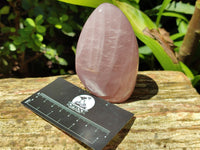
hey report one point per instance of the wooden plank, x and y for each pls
(166, 107)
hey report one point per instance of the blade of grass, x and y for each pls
(164, 5)
(176, 36)
(187, 71)
(139, 22)
(178, 7)
(196, 80)
(87, 3)
(172, 14)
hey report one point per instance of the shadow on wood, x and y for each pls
(145, 88)
(113, 144)
(165, 104)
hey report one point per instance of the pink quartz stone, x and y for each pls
(107, 54)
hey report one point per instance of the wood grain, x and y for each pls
(166, 108)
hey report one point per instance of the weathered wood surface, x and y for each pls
(166, 107)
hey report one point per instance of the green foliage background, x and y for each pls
(38, 38)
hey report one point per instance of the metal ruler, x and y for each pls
(87, 118)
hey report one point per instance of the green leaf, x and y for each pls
(139, 22)
(141, 56)
(178, 45)
(187, 71)
(26, 31)
(137, 18)
(5, 62)
(178, 7)
(5, 10)
(68, 30)
(29, 22)
(54, 71)
(39, 37)
(58, 26)
(62, 72)
(163, 6)
(160, 54)
(73, 8)
(38, 9)
(12, 47)
(39, 20)
(145, 50)
(22, 48)
(181, 7)
(5, 29)
(196, 80)
(74, 49)
(53, 20)
(62, 61)
(27, 4)
(88, 3)
(11, 16)
(134, 1)
(177, 36)
(12, 29)
(197, 4)
(71, 34)
(17, 40)
(50, 53)
(40, 29)
(182, 26)
(172, 14)
(64, 18)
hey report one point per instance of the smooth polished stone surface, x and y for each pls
(107, 54)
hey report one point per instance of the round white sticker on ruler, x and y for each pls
(82, 103)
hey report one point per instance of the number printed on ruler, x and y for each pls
(69, 116)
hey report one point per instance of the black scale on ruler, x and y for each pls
(84, 116)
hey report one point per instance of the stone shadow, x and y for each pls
(119, 137)
(145, 88)
(116, 140)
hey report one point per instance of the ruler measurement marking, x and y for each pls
(92, 142)
(73, 124)
(96, 139)
(98, 127)
(50, 112)
(74, 113)
(57, 104)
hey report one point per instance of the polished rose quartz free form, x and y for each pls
(107, 54)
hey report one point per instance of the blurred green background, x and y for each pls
(38, 38)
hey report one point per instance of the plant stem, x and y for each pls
(192, 37)
(23, 65)
(164, 5)
(37, 55)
